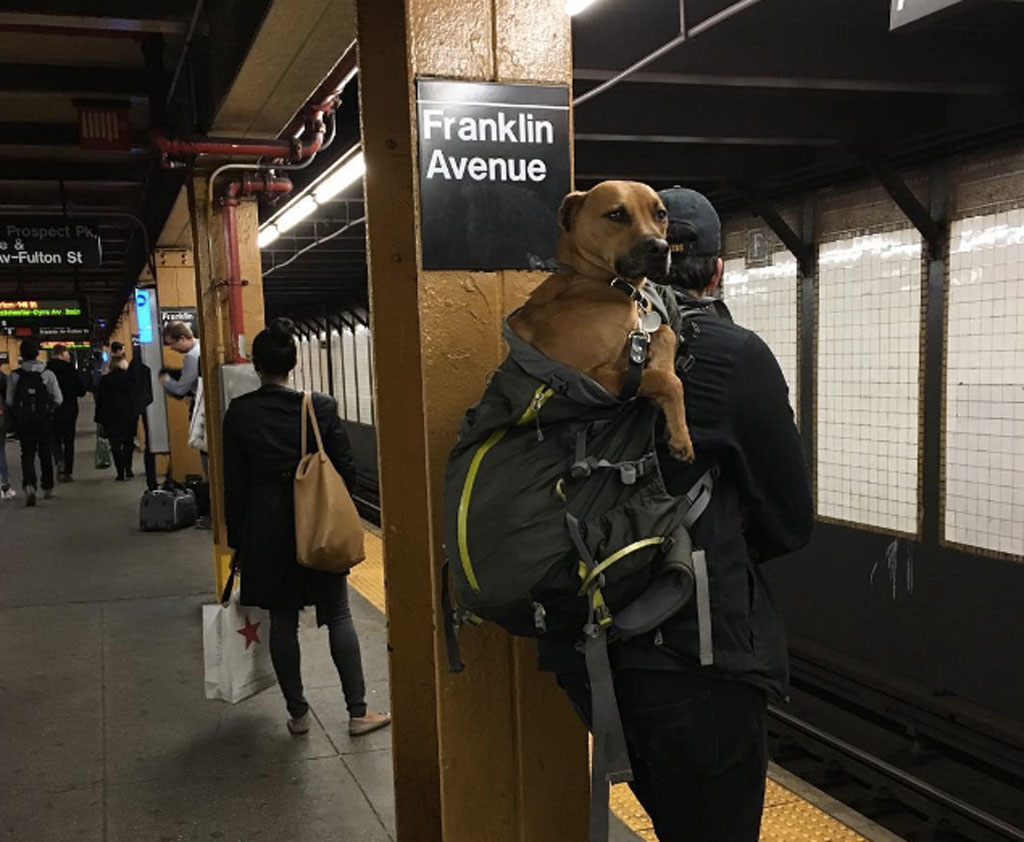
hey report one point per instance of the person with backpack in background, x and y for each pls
(6, 492)
(694, 717)
(65, 418)
(33, 394)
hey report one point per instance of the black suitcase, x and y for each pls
(164, 510)
(200, 489)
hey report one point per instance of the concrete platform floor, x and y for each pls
(104, 731)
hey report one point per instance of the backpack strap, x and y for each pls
(451, 637)
(611, 756)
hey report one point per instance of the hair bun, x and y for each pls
(282, 330)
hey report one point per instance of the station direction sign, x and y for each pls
(494, 167)
(49, 243)
(188, 315)
(38, 315)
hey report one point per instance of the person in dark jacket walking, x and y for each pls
(32, 396)
(116, 412)
(65, 418)
(262, 449)
(696, 734)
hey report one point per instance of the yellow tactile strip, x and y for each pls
(787, 817)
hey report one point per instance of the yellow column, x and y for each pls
(493, 753)
(210, 270)
(176, 287)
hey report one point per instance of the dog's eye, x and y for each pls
(617, 215)
(661, 214)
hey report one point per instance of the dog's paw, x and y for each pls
(681, 449)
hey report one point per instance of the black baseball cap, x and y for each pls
(693, 224)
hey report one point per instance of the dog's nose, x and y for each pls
(657, 247)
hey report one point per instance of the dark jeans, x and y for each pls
(284, 652)
(122, 450)
(698, 748)
(36, 440)
(63, 437)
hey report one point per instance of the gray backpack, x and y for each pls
(557, 520)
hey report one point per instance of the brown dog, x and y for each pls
(576, 316)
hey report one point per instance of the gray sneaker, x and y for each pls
(47, 493)
(30, 496)
(7, 493)
(300, 724)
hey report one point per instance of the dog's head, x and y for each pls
(616, 228)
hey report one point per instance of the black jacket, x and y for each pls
(115, 405)
(142, 384)
(739, 416)
(262, 449)
(71, 385)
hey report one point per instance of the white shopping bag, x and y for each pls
(236, 649)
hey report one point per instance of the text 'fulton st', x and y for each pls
(522, 128)
(73, 257)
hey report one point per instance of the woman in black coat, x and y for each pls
(262, 449)
(115, 411)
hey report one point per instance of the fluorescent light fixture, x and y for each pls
(267, 235)
(574, 7)
(337, 181)
(295, 214)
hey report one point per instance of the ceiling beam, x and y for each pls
(56, 134)
(104, 81)
(110, 26)
(605, 137)
(802, 83)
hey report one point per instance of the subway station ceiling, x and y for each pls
(755, 98)
(764, 98)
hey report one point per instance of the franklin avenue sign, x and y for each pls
(494, 166)
(50, 243)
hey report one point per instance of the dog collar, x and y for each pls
(630, 290)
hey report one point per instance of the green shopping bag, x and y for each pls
(102, 450)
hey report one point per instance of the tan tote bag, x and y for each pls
(328, 532)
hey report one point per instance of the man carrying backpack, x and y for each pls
(33, 394)
(692, 695)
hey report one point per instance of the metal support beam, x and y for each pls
(798, 247)
(684, 35)
(920, 216)
(807, 319)
(932, 364)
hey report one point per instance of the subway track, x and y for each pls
(919, 789)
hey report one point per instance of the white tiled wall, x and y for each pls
(362, 347)
(984, 447)
(315, 369)
(763, 299)
(869, 323)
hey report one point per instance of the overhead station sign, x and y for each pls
(903, 12)
(51, 318)
(49, 243)
(494, 167)
(50, 311)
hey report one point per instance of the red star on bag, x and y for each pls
(250, 631)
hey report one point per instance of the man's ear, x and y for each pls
(570, 207)
(716, 279)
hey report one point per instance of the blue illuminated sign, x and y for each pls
(144, 314)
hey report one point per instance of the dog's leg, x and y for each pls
(661, 384)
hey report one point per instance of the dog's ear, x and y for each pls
(571, 205)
